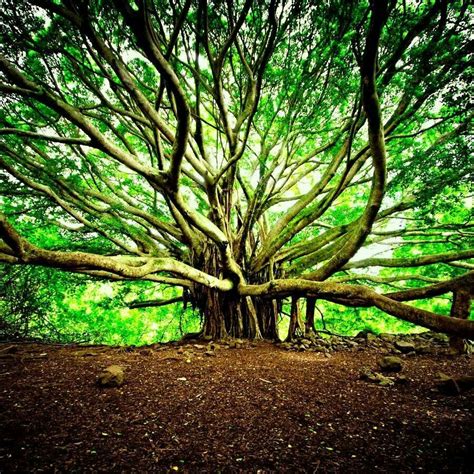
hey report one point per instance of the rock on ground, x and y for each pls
(112, 376)
(391, 364)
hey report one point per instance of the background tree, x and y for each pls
(45, 304)
(243, 151)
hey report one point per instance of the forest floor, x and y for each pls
(196, 407)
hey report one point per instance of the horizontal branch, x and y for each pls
(154, 303)
(340, 293)
(412, 262)
(48, 138)
(382, 280)
(465, 282)
(19, 250)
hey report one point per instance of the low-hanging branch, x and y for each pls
(361, 296)
(154, 303)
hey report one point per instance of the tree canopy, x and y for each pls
(244, 151)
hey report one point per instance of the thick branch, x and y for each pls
(412, 262)
(373, 113)
(340, 292)
(154, 303)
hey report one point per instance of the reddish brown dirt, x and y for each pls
(259, 409)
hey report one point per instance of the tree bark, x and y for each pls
(296, 327)
(267, 313)
(461, 309)
(213, 312)
(227, 314)
(309, 322)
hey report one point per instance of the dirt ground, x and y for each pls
(259, 408)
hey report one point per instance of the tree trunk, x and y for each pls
(267, 313)
(309, 322)
(296, 327)
(267, 309)
(460, 308)
(217, 317)
(253, 330)
(213, 311)
(226, 314)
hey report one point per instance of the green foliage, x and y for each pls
(53, 306)
(30, 303)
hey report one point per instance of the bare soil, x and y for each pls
(254, 409)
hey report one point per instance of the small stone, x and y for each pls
(86, 353)
(385, 381)
(401, 380)
(171, 357)
(439, 337)
(210, 354)
(405, 346)
(375, 377)
(236, 344)
(112, 376)
(423, 349)
(367, 374)
(352, 343)
(391, 364)
(371, 337)
(363, 334)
